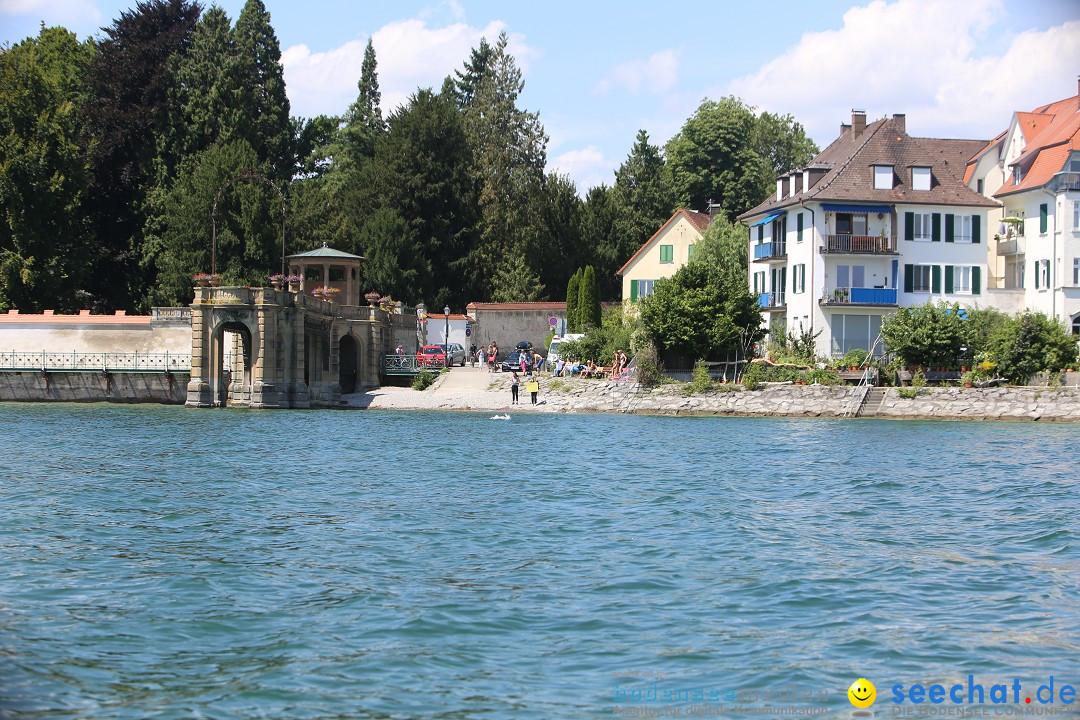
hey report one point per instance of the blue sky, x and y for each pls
(598, 71)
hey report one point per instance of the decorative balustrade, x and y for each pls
(859, 245)
(177, 315)
(45, 361)
(409, 364)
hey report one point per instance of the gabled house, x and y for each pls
(1034, 171)
(878, 220)
(663, 254)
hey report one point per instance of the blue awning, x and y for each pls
(769, 218)
(830, 207)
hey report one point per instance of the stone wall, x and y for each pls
(119, 387)
(85, 333)
(1014, 403)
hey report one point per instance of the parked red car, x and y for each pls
(431, 356)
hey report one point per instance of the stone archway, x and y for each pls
(231, 382)
(347, 363)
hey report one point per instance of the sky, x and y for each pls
(597, 72)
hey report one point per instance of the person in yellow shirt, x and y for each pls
(533, 386)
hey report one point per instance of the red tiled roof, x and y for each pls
(1055, 132)
(83, 318)
(699, 220)
(453, 316)
(517, 306)
(1048, 162)
(974, 160)
(1032, 123)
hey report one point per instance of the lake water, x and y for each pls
(170, 563)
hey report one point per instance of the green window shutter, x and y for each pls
(798, 226)
(1042, 218)
(909, 281)
(976, 228)
(948, 278)
(909, 227)
(690, 253)
(935, 227)
(949, 228)
(935, 271)
(633, 290)
(1036, 274)
(976, 286)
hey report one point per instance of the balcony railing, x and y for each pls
(45, 361)
(770, 250)
(771, 300)
(1010, 245)
(859, 245)
(859, 296)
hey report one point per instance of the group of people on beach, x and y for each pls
(574, 367)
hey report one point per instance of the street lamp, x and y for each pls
(421, 319)
(446, 337)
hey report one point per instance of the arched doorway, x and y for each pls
(230, 364)
(347, 364)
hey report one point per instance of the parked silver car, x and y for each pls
(455, 355)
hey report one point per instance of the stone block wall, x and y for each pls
(118, 387)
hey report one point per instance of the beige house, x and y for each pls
(663, 254)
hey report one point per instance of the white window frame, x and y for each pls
(962, 228)
(920, 178)
(883, 177)
(645, 288)
(924, 227)
(759, 282)
(918, 270)
(961, 279)
(1076, 215)
(1076, 272)
(1044, 274)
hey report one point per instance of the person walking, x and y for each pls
(533, 386)
(538, 362)
(514, 389)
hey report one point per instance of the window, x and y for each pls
(854, 332)
(1076, 325)
(640, 289)
(979, 186)
(962, 228)
(1076, 214)
(667, 253)
(759, 282)
(1076, 272)
(799, 224)
(883, 177)
(920, 178)
(1017, 175)
(1043, 218)
(799, 278)
(961, 277)
(921, 278)
(690, 253)
(1042, 274)
(760, 233)
(923, 227)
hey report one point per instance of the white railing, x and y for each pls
(46, 361)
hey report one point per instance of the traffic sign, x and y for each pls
(553, 321)
(468, 331)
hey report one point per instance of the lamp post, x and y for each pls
(446, 337)
(421, 318)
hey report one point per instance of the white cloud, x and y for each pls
(587, 167)
(656, 74)
(73, 14)
(410, 55)
(918, 57)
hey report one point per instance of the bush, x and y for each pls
(823, 377)
(423, 380)
(701, 381)
(752, 376)
(854, 357)
(600, 344)
(650, 371)
(925, 335)
(908, 393)
(1031, 343)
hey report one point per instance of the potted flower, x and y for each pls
(277, 280)
(326, 292)
(202, 279)
(969, 378)
(293, 281)
(385, 302)
(372, 298)
(215, 279)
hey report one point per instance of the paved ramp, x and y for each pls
(463, 379)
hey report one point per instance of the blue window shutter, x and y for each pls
(976, 229)
(909, 226)
(935, 226)
(976, 273)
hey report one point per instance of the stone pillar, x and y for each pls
(293, 347)
(267, 383)
(199, 391)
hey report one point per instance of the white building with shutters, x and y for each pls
(878, 220)
(1033, 170)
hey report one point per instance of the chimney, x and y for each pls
(900, 122)
(844, 127)
(858, 121)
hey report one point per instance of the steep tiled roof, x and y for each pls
(973, 161)
(885, 142)
(699, 220)
(1055, 133)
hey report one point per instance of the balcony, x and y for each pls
(770, 251)
(858, 245)
(1010, 245)
(772, 301)
(859, 296)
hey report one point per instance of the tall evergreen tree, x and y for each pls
(129, 79)
(466, 82)
(643, 199)
(263, 101)
(396, 264)
(364, 121)
(588, 300)
(557, 249)
(44, 236)
(599, 223)
(573, 288)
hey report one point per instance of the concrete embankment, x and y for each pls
(117, 387)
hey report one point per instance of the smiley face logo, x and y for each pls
(862, 693)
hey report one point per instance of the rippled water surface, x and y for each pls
(170, 563)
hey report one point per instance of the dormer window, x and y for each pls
(883, 177)
(1017, 175)
(920, 178)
